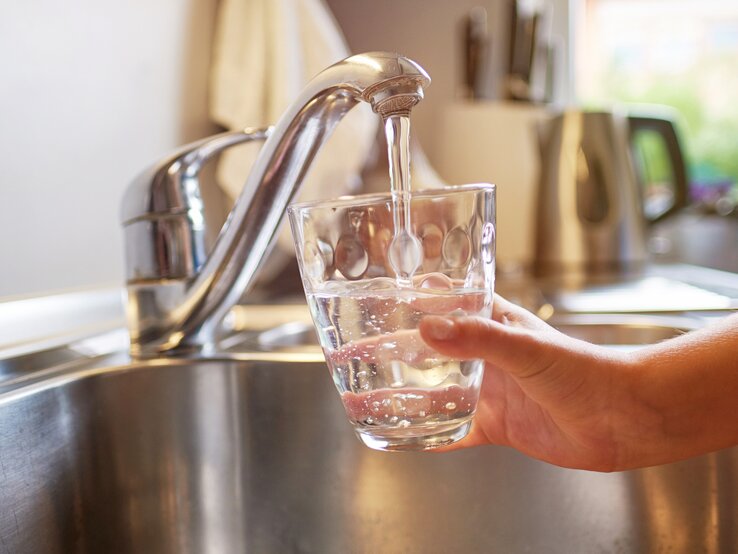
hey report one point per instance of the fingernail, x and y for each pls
(441, 328)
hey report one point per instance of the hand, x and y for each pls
(578, 405)
(552, 397)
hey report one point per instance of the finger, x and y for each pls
(520, 352)
(508, 313)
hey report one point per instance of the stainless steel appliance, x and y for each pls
(590, 216)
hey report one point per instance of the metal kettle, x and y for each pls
(590, 217)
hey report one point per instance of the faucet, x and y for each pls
(179, 290)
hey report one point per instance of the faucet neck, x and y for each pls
(188, 314)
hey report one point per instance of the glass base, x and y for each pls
(414, 439)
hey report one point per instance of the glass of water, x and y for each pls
(369, 284)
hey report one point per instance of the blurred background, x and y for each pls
(93, 92)
(682, 54)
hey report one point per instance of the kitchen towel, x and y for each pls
(265, 52)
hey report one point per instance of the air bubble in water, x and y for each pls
(450, 406)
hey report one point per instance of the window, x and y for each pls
(679, 53)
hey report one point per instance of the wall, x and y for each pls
(429, 32)
(90, 93)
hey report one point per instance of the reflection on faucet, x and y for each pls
(178, 295)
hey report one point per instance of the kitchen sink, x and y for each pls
(256, 455)
(250, 451)
(623, 331)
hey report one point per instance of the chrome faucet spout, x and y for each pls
(181, 311)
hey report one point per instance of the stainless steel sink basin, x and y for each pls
(616, 330)
(256, 456)
(623, 330)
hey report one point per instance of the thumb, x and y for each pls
(547, 365)
(521, 352)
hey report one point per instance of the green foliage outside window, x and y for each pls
(647, 53)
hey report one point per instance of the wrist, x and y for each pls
(637, 424)
(683, 393)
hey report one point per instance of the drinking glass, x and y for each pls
(398, 393)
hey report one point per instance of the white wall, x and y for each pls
(90, 93)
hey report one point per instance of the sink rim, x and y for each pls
(268, 345)
(36, 381)
(288, 335)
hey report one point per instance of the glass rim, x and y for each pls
(373, 198)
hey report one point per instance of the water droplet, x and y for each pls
(404, 423)
(375, 406)
(450, 406)
(393, 419)
(369, 420)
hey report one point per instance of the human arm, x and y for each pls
(579, 405)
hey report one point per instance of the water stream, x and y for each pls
(405, 251)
